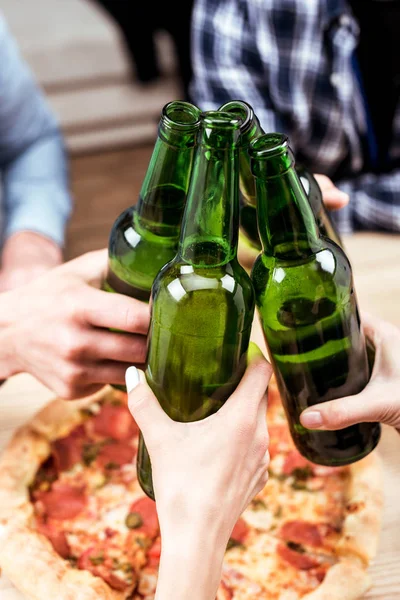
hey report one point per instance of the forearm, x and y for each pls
(190, 566)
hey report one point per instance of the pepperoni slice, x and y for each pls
(279, 438)
(224, 592)
(320, 573)
(294, 460)
(274, 397)
(115, 454)
(63, 501)
(154, 553)
(296, 559)
(115, 421)
(240, 531)
(115, 582)
(84, 561)
(301, 532)
(57, 538)
(146, 508)
(67, 451)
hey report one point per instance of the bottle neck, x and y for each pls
(286, 223)
(164, 189)
(209, 235)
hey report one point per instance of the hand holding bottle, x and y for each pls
(205, 473)
(380, 399)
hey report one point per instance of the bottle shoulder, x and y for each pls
(328, 266)
(177, 281)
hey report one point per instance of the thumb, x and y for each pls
(373, 404)
(144, 406)
(252, 388)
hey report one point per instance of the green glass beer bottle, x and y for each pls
(250, 130)
(313, 191)
(202, 302)
(145, 236)
(307, 303)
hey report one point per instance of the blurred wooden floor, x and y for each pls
(103, 185)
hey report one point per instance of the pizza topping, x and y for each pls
(67, 451)
(320, 574)
(258, 504)
(294, 555)
(240, 531)
(115, 421)
(154, 553)
(301, 532)
(113, 455)
(147, 583)
(57, 538)
(295, 462)
(90, 452)
(146, 510)
(115, 582)
(353, 507)
(63, 501)
(45, 476)
(97, 559)
(133, 520)
(117, 574)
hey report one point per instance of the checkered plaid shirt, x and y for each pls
(292, 60)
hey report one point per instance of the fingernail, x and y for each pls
(132, 378)
(311, 419)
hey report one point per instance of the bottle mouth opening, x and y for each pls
(269, 144)
(181, 115)
(242, 110)
(216, 119)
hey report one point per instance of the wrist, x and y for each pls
(27, 248)
(190, 566)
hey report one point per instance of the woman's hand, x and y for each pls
(380, 400)
(204, 475)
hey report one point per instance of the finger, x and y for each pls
(118, 347)
(371, 405)
(91, 266)
(253, 385)
(333, 198)
(115, 311)
(144, 406)
(107, 372)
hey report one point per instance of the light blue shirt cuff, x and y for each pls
(40, 214)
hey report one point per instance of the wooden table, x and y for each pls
(376, 265)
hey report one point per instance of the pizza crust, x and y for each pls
(26, 556)
(30, 562)
(362, 524)
(346, 580)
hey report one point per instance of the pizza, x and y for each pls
(75, 524)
